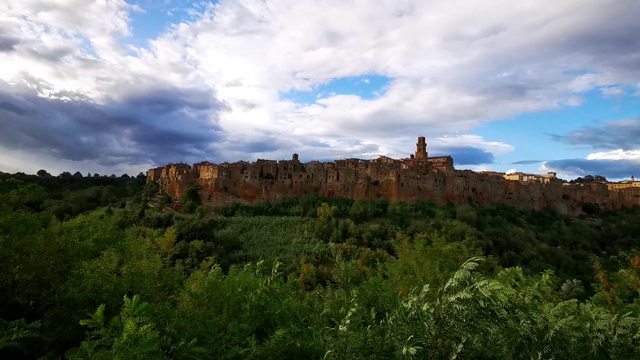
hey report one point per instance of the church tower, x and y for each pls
(421, 148)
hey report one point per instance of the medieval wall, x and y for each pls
(411, 180)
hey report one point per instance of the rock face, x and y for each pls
(416, 178)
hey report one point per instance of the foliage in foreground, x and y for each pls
(255, 313)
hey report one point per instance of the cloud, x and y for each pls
(574, 101)
(8, 43)
(616, 134)
(476, 141)
(527, 162)
(100, 22)
(616, 155)
(451, 68)
(256, 146)
(613, 169)
(468, 155)
(459, 72)
(159, 126)
(620, 161)
(611, 91)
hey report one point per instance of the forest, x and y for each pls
(104, 267)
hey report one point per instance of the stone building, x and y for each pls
(418, 177)
(624, 184)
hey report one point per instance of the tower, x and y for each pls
(421, 148)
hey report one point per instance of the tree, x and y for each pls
(43, 173)
(14, 334)
(327, 212)
(358, 212)
(466, 213)
(191, 199)
(399, 213)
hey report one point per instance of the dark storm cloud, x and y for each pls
(614, 44)
(527, 162)
(607, 168)
(257, 146)
(468, 155)
(318, 144)
(7, 106)
(157, 126)
(619, 134)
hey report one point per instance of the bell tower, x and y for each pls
(421, 148)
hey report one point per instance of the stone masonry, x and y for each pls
(412, 179)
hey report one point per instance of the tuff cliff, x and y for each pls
(416, 178)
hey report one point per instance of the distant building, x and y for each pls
(624, 184)
(418, 177)
(519, 176)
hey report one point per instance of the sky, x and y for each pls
(115, 86)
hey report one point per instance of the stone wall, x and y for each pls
(412, 179)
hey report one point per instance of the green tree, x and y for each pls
(131, 335)
(191, 199)
(466, 213)
(358, 212)
(399, 213)
(43, 173)
(326, 212)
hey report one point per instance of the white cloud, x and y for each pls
(494, 147)
(611, 91)
(618, 154)
(574, 101)
(451, 70)
(585, 82)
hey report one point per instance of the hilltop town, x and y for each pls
(418, 177)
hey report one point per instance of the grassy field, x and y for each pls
(287, 239)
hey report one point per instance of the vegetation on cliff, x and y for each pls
(102, 267)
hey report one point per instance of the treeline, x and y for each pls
(134, 277)
(66, 195)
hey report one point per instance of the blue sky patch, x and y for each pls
(532, 132)
(365, 86)
(576, 72)
(157, 17)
